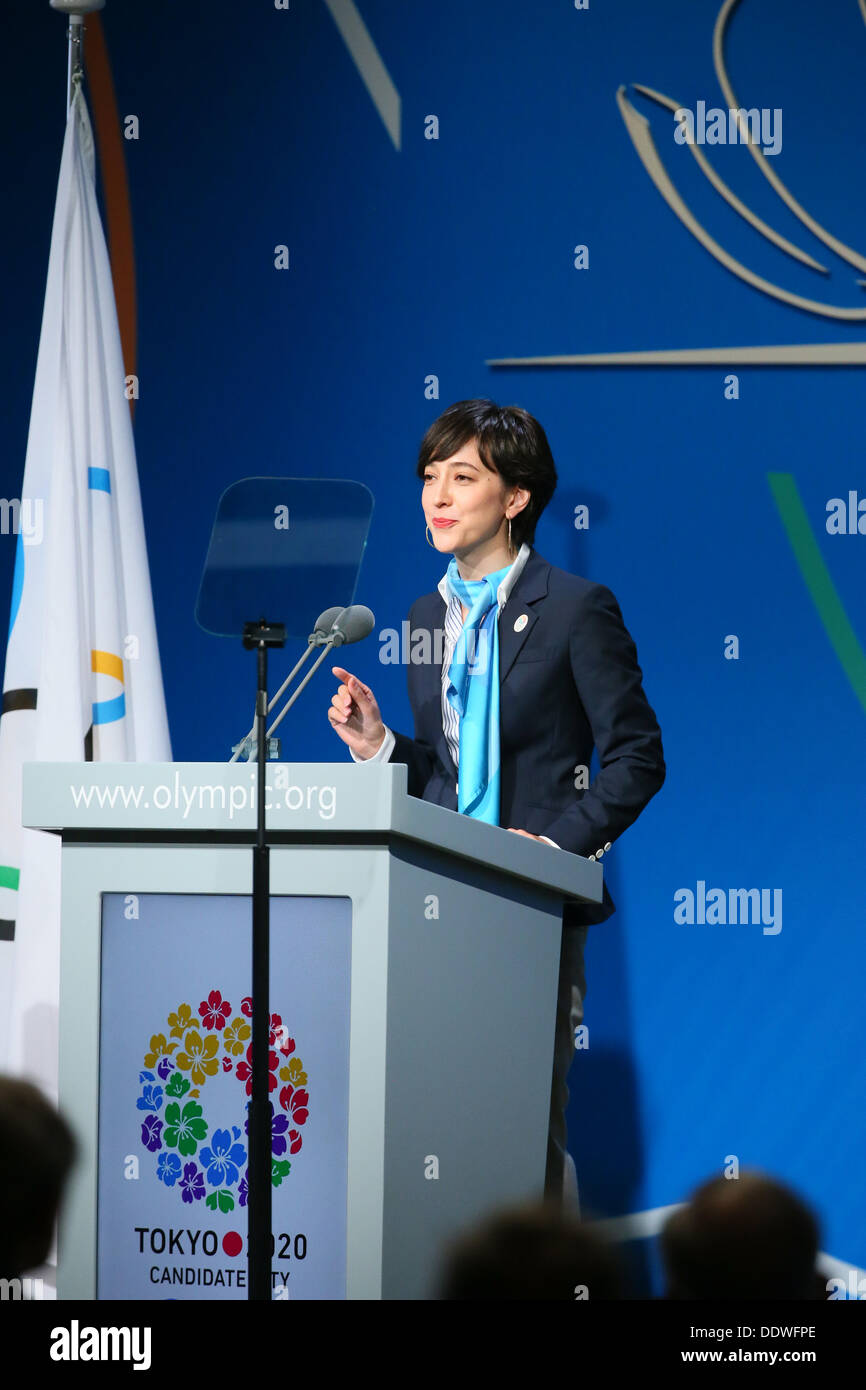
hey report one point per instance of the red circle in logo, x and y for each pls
(232, 1243)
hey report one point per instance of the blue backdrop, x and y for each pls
(413, 258)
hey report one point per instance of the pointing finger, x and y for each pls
(358, 691)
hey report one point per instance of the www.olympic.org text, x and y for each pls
(234, 800)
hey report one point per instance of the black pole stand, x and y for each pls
(260, 636)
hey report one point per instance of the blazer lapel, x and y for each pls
(530, 587)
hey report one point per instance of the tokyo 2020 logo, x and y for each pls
(204, 1061)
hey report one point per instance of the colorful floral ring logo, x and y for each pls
(193, 1155)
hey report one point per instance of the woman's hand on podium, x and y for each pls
(354, 715)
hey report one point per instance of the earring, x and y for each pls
(430, 541)
(510, 546)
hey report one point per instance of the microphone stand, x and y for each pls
(259, 637)
(359, 621)
(334, 640)
(317, 638)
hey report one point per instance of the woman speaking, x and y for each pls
(537, 669)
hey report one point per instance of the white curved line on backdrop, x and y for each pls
(367, 60)
(641, 137)
(846, 253)
(725, 191)
(769, 355)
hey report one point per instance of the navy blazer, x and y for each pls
(569, 679)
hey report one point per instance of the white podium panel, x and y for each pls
(174, 1088)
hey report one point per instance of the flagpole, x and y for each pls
(76, 10)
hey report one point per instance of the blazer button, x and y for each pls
(599, 853)
(592, 859)
(607, 846)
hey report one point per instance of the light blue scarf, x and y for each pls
(473, 692)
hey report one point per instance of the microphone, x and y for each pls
(324, 623)
(353, 624)
(333, 627)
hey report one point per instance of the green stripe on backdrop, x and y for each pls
(831, 611)
(9, 877)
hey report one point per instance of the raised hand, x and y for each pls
(354, 715)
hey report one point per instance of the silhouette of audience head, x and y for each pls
(745, 1237)
(37, 1151)
(538, 1251)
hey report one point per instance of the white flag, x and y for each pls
(82, 678)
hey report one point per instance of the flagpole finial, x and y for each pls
(76, 10)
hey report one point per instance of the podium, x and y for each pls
(415, 957)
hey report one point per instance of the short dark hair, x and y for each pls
(37, 1150)
(510, 442)
(538, 1251)
(746, 1237)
